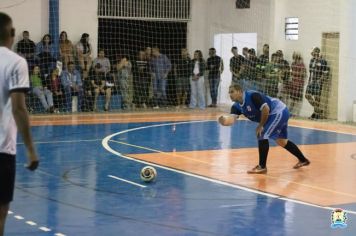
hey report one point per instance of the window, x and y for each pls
(292, 28)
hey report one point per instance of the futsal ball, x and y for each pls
(227, 120)
(148, 174)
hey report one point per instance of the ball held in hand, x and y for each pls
(227, 120)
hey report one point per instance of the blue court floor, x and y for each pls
(87, 184)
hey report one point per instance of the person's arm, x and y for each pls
(79, 79)
(21, 117)
(228, 120)
(221, 66)
(168, 66)
(260, 104)
(18, 84)
(108, 66)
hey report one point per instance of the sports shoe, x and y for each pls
(257, 170)
(314, 116)
(301, 164)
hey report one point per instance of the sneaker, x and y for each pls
(257, 170)
(301, 164)
(156, 107)
(313, 116)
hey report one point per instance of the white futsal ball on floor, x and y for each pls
(148, 174)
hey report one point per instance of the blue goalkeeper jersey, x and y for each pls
(253, 103)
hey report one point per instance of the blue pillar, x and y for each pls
(54, 25)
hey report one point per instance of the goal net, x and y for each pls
(146, 54)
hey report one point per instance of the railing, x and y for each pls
(167, 10)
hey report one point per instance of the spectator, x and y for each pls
(42, 92)
(73, 86)
(45, 55)
(215, 67)
(235, 66)
(53, 82)
(272, 74)
(285, 76)
(88, 102)
(103, 61)
(296, 85)
(160, 67)
(98, 82)
(84, 51)
(254, 82)
(27, 48)
(318, 75)
(182, 72)
(66, 49)
(197, 96)
(142, 80)
(264, 57)
(124, 73)
(263, 60)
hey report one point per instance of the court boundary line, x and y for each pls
(105, 144)
(126, 181)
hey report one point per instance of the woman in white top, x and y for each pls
(197, 97)
(84, 52)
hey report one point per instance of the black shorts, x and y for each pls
(7, 177)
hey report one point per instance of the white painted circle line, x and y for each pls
(105, 144)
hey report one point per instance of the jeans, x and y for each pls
(159, 90)
(68, 92)
(197, 96)
(214, 85)
(45, 96)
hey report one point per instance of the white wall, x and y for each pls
(211, 17)
(347, 68)
(76, 17)
(27, 15)
(315, 17)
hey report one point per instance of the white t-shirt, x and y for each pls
(13, 76)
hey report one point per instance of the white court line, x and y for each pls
(127, 181)
(19, 217)
(65, 141)
(45, 229)
(31, 223)
(105, 143)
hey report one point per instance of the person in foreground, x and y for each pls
(14, 81)
(272, 117)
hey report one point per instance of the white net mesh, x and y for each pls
(135, 61)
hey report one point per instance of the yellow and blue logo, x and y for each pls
(338, 219)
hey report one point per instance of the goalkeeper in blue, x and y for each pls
(272, 117)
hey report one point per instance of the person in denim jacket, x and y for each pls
(72, 85)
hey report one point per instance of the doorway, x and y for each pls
(330, 51)
(223, 44)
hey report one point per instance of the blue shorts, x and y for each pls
(276, 126)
